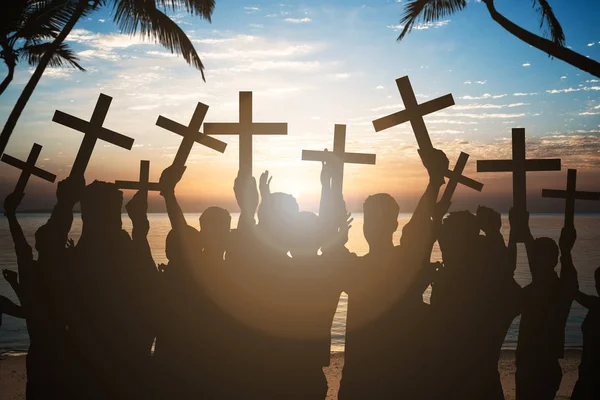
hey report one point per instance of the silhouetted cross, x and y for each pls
(144, 185)
(455, 178)
(414, 113)
(570, 195)
(92, 131)
(245, 128)
(338, 157)
(28, 168)
(191, 134)
(519, 165)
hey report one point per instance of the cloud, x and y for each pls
(251, 9)
(563, 77)
(341, 75)
(101, 20)
(524, 94)
(421, 26)
(590, 44)
(487, 106)
(51, 72)
(480, 116)
(572, 89)
(527, 65)
(298, 20)
(483, 96)
(379, 87)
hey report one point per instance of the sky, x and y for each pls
(314, 64)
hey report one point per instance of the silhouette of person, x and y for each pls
(588, 384)
(111, 278)
(474, 300)
(39, 291)
(546, 304)
(381, 289)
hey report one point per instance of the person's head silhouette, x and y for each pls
(276, 219)
(215, 226)
(306, 233)
(544, 257)
(181, 246)
(380, 220)
(458, 238)
(101, 205)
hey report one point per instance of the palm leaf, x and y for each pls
(549, 20)
(202, 8)
(427, 11)
(62, 56)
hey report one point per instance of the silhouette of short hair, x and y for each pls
(457, 235)
(101, 203)
(306, 234)
(278, 206)
(180, 242)
(546, 253)
(215, 216)
(381, 207)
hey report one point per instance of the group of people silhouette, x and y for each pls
(246, 313)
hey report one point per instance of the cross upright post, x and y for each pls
(338, 157)
(92, 130)
(144, 185)
(519, 165)
(245, 128)
(570, 195)
(28, 168)
(191, 134)
(457, 177)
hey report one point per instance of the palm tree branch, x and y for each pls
(427, 11)
(548, 19)
(62, 55)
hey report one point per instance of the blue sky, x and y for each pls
(313, 64)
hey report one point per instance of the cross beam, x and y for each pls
(519, 165)
(245, 128)
(144, 184)
(414, 113)
(338, 157)
(191, 134)
(457, 177)
(570, 195)
(28, 168)
(92, 131)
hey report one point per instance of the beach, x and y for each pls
(13, 378)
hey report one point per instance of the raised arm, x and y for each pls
(137, 209)
(10, 308)
(436, 163)
(168, 180)
(22, 248)
(12, 278)
(588, 301)
(568, 273)
(246, 195)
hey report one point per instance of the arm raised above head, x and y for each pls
(168, 180)
(246, 195)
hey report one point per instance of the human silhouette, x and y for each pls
(111, 277)
(546, 304)
(474, 300)
(7, 306)
(588, 384)
(381, 287)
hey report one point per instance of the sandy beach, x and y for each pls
(12, 375)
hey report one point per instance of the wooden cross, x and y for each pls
(92, 131)
(144, 185)
(571, 194)
(245, 128)
(191, 134)
(28, 168)
(414, 113)
(338, 157)
(457, 177)
(519, 165)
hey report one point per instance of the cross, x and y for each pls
(338, 157)
(455, 178)
(245, 128)
(414, 113)
(144, 185)
(92, 131)
(191, 134)
(28, 168)
(571, 194)
(519, 165)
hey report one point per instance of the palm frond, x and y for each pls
(427, 11)
(202, 8)
(62, 56)
(142, 16)
(549, 21)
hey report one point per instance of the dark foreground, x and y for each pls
(12, 375)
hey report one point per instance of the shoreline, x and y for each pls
(13, 376)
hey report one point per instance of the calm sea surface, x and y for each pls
(13, 334)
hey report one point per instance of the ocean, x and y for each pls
(586, 255)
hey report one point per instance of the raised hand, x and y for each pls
(489, 220)
(265, 185)
(568, 236)
(519, 222)
(246, 194)
(137, 207)
(11, 203)
(10, 276)
(70, 189)
(169, 178)
(436, 163)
